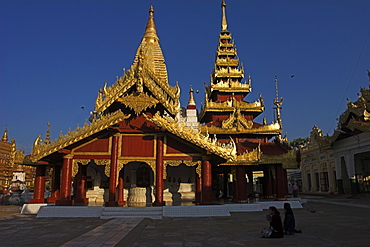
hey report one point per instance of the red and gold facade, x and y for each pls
(137, 143)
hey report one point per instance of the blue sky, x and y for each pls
(55, 55)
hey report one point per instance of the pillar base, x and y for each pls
(206, 203)
(280, 199)
(159, 204)
(34, 201)
(121, 203)
(242, 201)
(82, 202)
(52, 199)
(63, 203)
(111, 204)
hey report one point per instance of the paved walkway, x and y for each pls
(336, 221)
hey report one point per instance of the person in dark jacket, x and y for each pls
(275, 223)
(289, 220)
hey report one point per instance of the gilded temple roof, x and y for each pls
(145, 84)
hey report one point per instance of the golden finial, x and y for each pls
(47, 136)
(191, 97)
(224, 22)
(278, 103)
(150, 30)
(5, 135)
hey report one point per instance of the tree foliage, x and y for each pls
(296, 143)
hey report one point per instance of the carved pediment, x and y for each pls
(139, 102)
(237, 121)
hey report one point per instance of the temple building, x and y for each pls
(141, 148)
(318, 171)
(15, 173)
(342, 160)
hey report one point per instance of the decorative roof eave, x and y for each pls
(225, 151)
(247, 158)
(42, 150)
(289, 159)
(230, 105)
(123, 84)
(362, 126)
(270, 129)
(356, 111)
(108, 95)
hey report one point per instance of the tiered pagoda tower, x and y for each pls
(227, 115)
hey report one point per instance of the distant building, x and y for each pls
(343, 156)
(317, 166)
(14, 175)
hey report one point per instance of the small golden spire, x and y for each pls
(47, 136)
(191, 97)
(5, 135)
(150, 30)
(224, 22)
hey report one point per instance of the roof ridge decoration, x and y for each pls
(226, 151)
(231, 104)
(41, 150)
(149, 70)
(237, 120)
(269, 129)
(247, 158)
(289, 159)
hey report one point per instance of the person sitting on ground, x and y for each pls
(275, 224)
(289, 220)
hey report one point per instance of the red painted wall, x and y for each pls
(137, 146)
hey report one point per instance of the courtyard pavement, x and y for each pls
(341, 220)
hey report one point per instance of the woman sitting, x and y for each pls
(275, 223)
(289, 220)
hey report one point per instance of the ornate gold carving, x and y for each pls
(237, 122)
(75, 165)
(148, 69)
(41, 150)
(150, 162)
(179, 162)
(226, 151)
(289, 159)
(75, 168)
(247, 158)
(272, 129)
(230, 105)
(139, 102)
(82, 161)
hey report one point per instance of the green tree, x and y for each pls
(296, 143)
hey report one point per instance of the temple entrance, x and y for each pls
(179, 186)
(138, 184)
(97, 185)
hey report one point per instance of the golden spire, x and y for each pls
(47, 136)
(278, 103)
(224, 22)
(191, 97)
(150, 30)
(5, 135)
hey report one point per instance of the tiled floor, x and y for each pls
(108, 234)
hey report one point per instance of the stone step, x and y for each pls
(132, 212)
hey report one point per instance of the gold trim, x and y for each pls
(288, 160)
(42, 150)
(139, 102)
(75, 166)
(271, 129)
(94, 153)
(226, 151)
(190, 163)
